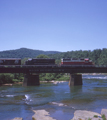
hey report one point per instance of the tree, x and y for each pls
(42, 56)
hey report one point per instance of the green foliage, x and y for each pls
(104, 117)
(42, 56)
(24, 53)
(10, 78)
(18, 77)
(23, 60)
(58, 61)
(96, 116)
(98, 56)
(15, 80)
(53, 76)
(6, 78)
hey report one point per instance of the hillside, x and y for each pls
(98, 56)
(24, 53)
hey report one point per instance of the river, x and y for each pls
(59, 99)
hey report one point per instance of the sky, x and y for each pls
(53, 25)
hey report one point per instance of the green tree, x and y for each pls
(42, 56)
(23, 61)
(6, 78)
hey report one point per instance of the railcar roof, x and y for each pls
(86, 58)
(10, 58)
(44, 58)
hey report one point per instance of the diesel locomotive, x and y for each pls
(76, 61)
(40, 61)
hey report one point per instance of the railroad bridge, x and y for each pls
(32, 72)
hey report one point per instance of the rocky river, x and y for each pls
(58, 99)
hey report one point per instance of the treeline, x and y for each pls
(98, 56)
(24, 53)
(11, 78)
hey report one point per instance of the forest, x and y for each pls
(98, 56)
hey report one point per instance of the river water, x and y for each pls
(59, 99)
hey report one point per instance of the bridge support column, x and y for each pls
(75, 79)
(31, 80)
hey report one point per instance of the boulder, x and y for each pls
(104, 112)
(17, 118)
(41, 115)
(85, 115)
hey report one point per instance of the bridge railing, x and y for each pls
(52, 66)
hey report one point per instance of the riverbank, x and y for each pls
(78, 115)
(11, 84)
(20, 83)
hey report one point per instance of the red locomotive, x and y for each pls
(76, 61)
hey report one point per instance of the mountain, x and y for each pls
(24, 53)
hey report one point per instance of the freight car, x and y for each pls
(10, 61)
(76, 61)
(40, 61)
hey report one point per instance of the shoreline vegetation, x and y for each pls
(20, 83)
(9, 79)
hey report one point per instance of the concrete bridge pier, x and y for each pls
(75, 79)
(31, 80)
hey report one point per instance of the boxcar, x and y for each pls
(10, 61)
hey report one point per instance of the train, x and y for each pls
(46, 61)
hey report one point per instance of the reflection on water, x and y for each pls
(59, 99)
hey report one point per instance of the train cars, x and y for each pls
(45, 61)
(10, 61)
(40, 61)
(76, 61)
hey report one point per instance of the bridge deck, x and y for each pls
(52, 69)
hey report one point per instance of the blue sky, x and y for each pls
(58, 25)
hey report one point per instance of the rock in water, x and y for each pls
(41, 115)
(17, 118)
(85, 115)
